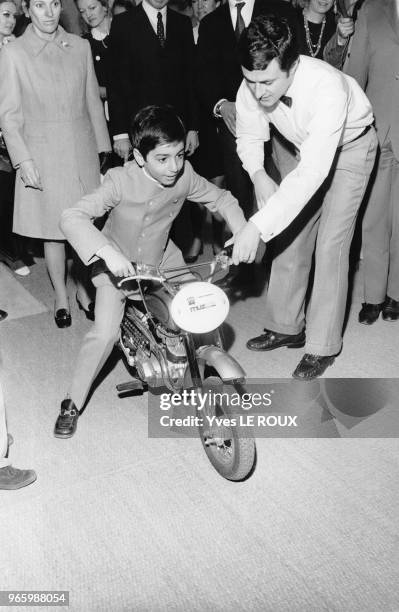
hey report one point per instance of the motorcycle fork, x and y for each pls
(195, 374)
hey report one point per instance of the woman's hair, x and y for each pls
(267, 37)
(155, 125)
(104, 3)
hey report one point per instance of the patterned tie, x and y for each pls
(160, 30)
(286, 100)
(240, 23)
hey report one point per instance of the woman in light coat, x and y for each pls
(53, 123)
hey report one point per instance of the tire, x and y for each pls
(233, 455)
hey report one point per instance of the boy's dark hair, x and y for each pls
(154, 125)
(268, 37)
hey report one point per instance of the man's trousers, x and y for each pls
(324, 228)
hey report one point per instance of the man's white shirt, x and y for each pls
(328, 109)
(246, 11)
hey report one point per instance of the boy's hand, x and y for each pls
(264, 187)
(116, 262)
(246, 242)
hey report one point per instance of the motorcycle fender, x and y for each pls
(225, 365)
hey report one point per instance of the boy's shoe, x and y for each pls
(67, 420)
(11, 478)
(3, 315)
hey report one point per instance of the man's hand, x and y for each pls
(228, 112)
(264, 187)
(345, 29)
(192, 142)
(246, 242)
(116, 262)
(122, 147)
(30, 174)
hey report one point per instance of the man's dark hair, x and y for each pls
(268, 37)
(155, 125)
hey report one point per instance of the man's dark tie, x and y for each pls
(240, 23)
(160, 30)
(286, 100)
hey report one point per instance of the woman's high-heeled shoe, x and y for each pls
(62, 318)
(90, 309)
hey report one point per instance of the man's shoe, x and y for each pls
(271, 340)
(369, 313)
(11, 478)
(3, 315)
(312, 366)
(390, 310)
(67, 420)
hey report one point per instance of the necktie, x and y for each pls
(240, 24)
(160, 30)
(286, 100)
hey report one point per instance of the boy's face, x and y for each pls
(164, 162)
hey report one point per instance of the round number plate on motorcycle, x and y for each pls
(199, 307)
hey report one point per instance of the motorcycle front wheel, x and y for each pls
(231, 454)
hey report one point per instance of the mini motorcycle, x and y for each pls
(171, 338)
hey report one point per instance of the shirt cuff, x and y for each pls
(120, 137)
(256, 219)
(216, 110)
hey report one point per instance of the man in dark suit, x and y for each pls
(219, 77)
(151, 61)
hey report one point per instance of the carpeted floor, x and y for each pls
(135, 524)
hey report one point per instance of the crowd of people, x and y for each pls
(279, 116)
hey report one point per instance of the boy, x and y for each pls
(142, 198)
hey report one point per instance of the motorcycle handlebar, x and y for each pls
(222, 257)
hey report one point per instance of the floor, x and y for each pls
(128, 522)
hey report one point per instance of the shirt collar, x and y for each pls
(248, 4)
(152, 178)
(153, 12)
(37, 44)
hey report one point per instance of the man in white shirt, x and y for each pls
(328, 118)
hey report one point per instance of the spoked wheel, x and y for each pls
(231, 454)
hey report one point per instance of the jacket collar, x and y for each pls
(37, 44)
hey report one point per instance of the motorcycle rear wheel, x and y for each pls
(231, 454)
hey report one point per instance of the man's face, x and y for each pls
(164, 163)
(158, 4)
(269, 85)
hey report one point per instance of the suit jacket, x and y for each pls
(374, 62)
(140, 72)
(219, 70)
(51, 112)
(141, 213)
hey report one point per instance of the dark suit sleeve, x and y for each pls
(120, 71)
(210, 80)
(192, 120)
